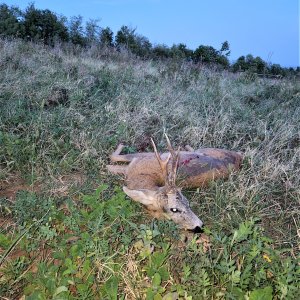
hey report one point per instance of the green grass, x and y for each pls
(64, 111)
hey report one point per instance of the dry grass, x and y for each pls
(114, 98)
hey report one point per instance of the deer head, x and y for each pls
(168, 198)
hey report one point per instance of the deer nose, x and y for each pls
(198, 229)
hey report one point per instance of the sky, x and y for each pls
(265, 28)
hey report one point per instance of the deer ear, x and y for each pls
(143, 196)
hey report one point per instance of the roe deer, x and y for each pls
(150, 178)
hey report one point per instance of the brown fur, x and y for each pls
(195, 169)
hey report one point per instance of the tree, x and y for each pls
(251, 64)
(125, 37)
(276, 69)
(92, 31)
(225, 49)
(249, 60)
(142, 46)
(209, 55)
(260, 64)
(188, 53)
(76, 31)
(9, 23)
(161, 51)
(240, 64)
(106, 37)
(205, 54)
(136, 43)
(43, 25)
(180, 51)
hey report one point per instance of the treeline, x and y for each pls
(45, 26)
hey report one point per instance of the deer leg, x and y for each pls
(115, 169)
(118, 150)
(115, 156)
(189, 148)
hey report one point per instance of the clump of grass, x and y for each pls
(107, 99)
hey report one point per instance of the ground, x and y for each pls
(67, 229)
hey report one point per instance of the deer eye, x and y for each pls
(174, 210)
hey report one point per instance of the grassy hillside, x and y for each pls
(72, 234)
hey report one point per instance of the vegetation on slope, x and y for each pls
(74, 235)
(49, 28)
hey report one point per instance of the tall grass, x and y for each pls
(64, 111)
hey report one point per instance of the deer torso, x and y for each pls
(195, 169)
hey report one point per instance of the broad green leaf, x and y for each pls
(164, 273)
(60, 290)
(149, 294)
(157, 297)
(237, 293)
(156, 281)
(262, 294)
(243, 232)
(170, 296)
(236, 276)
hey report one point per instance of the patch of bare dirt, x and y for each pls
(12, 185)
(60, 186)
(7, 223)
(63, 184)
